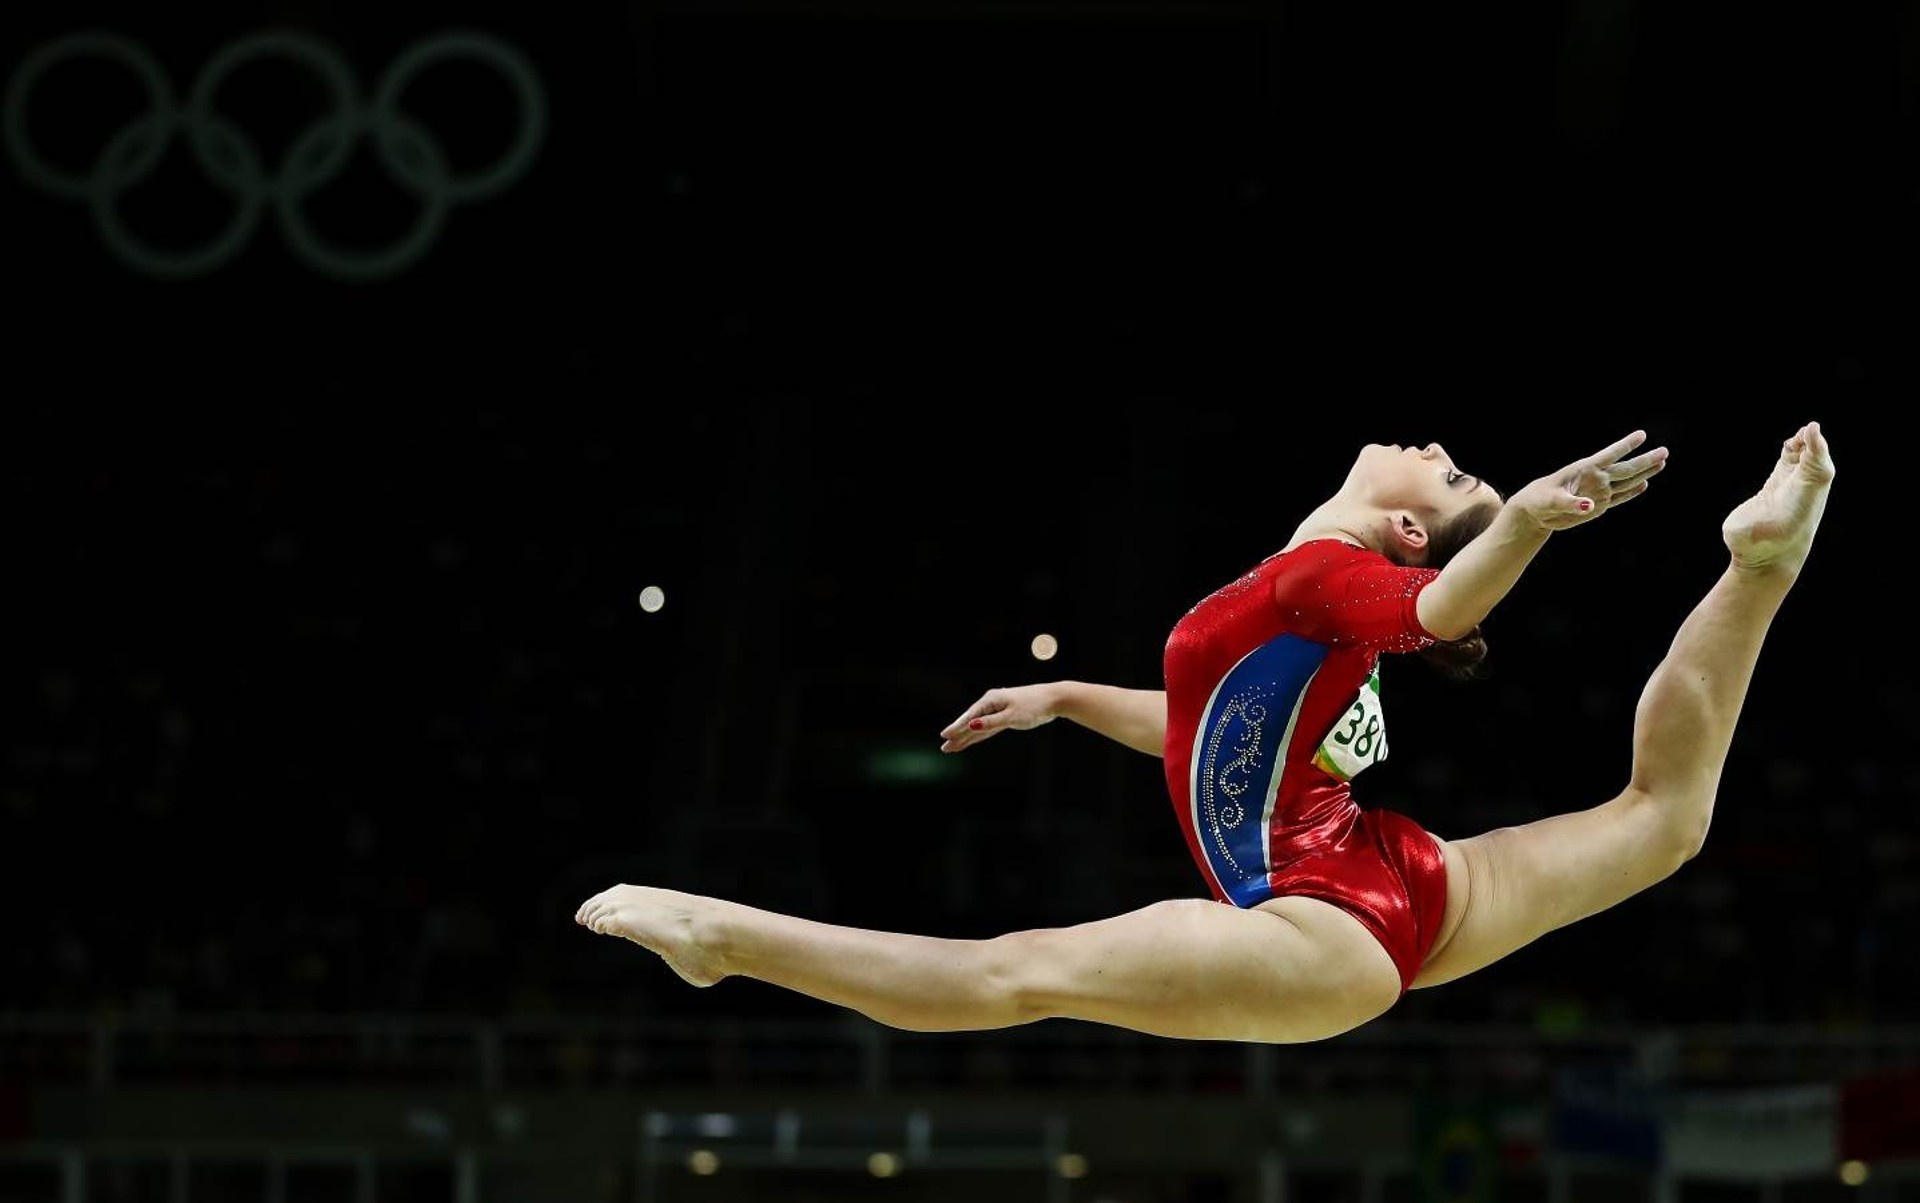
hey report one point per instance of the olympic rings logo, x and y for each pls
(409, 153)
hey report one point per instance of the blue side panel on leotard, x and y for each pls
(1239, 750)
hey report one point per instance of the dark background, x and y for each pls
(883, 337)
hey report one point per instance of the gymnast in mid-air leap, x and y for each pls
(1323, 912)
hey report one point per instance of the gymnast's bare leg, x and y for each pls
(1508, 887)
(1290, 970)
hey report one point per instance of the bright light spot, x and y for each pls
(1044, 646)
(1853, 1173)
(883, 1165)
(1071, 1165)
(703, 1162)
(652, 598)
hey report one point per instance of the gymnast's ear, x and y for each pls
(1409, 535)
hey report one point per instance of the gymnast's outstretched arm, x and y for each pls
(1476, 579)
(1136, 718)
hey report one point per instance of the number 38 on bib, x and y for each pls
(1359, 737)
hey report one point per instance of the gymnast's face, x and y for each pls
(1423, 479)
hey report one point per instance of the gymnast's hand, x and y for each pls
(1021, 708)
(1588, 488)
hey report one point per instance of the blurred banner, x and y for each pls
(1880, 1117)
(1457, 1147)
(1754, 1135)
(1608, 1115)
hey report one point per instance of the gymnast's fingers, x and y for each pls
(991, 702)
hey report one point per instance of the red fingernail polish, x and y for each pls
(975, 725)
(1585, 505)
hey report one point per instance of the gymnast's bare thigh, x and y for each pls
(1512, 885)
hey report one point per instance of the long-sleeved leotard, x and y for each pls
(1273, 705)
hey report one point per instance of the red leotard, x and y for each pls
(1273, 704)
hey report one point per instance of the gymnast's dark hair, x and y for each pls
(1462, 659)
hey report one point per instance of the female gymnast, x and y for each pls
(1323, 913)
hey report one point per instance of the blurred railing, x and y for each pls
(532, 1054)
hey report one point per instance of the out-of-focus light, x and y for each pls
(883, 1165)
(1071, 1165)
(652, 598)
(1044, 646)
(1853, 1173)
(910, 766)
(703, 1162)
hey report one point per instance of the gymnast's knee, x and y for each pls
(1014, 979)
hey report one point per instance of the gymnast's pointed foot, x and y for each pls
(1774, 528)
(666, 922)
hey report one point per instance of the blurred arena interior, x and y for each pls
(369, 364)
